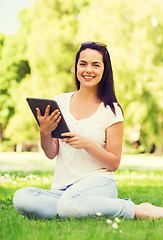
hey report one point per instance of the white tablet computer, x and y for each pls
(42, 104)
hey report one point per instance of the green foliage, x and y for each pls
(51, 49)
(13, 68)
(50, 52)
(134, 40)
(38, 60)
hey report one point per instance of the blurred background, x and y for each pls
(37, 55)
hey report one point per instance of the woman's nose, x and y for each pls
(89, 68)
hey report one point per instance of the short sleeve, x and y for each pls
(59, 97)
(63, 98)
(114, 118)
(63, 101)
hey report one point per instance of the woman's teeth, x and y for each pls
(88, 77)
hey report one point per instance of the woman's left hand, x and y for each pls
(75, 140)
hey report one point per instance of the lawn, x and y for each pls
(139, 184)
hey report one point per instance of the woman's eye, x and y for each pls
(96, 65)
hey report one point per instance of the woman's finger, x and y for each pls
(55, 123)
(38, 113)
(70, 140)
(58, 120)
(54, 114)
(68, 134)
(47, 110)
(54, 117)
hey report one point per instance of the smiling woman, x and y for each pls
(84, 182)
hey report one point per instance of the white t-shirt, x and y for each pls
(74, 164)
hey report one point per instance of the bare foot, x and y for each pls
(147, 210)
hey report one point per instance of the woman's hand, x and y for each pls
(75, 140)
(109, 157)
(48, 123)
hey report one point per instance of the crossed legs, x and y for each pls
(86, 197)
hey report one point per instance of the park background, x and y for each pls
(38, 61)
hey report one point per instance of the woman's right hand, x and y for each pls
(48, 123)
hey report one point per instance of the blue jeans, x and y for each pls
(86, 197)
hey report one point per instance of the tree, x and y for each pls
(2, 38)
(14, 67)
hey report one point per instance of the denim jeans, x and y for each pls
(84, 198)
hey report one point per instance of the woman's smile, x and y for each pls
(88, 77)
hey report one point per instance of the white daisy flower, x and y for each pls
(115, 225)
(109, 221)
(117, 220)
(99, 214)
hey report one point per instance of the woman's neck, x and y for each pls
(88, 95)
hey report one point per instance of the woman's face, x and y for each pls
(90, 68)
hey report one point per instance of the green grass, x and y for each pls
(138, 184)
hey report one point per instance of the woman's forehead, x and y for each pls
(91, 54)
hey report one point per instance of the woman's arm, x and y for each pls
(49, 145)
(48, 123)
(109, 158)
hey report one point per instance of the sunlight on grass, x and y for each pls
(25, 161)
(140, 177)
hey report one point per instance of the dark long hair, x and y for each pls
(106, 91)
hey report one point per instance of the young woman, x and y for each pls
(88, 156)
